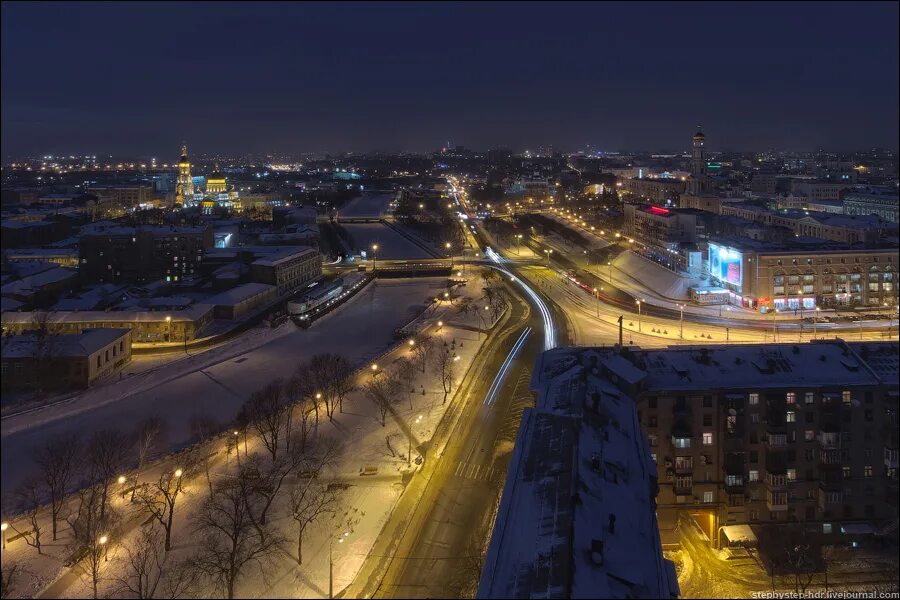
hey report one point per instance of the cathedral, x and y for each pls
(214, 187)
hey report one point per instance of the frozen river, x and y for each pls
(390, 243)
(217, 386)
(370, 204)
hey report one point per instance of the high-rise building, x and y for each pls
(184, 187)
(699, 181)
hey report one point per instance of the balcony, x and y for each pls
(776, 441)
(776, 482)
(734, 484)
(777, 501)
(829, 440)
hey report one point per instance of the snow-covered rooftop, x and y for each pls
(83, 344)
(577, 517)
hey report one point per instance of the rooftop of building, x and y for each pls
(111, 228)
(82, 344)
(803, 244)
(577, 516)
(190, 314)
(239, 294)
(276, 255)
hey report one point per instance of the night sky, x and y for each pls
(137, 79)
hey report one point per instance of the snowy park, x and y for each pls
(311, 461)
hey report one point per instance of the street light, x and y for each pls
(638, 302)
(168, 328)
(374, 258)
(548, 252)
(121, 481)
(816, 323)
(3, 527)
(331, 562)
(103, 539)
(681, 321)
(597, 297)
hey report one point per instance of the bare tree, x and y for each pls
(320, 368)
(160, 497)
(92, 527)
(333, 375)
(264, 411)
(424, 344)
(445, 368)
(29, 503)
(310, 500)
(231, 543)
(203, 428)
(147, 437)
(465, 305)
(382, 390)
(306, 385)
(342, 378)
(148, 571)
(12, 574)
(106, 457)
(56, 462)
(406, 374)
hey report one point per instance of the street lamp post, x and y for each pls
(638, 302)
(681, 321)
(331, 562)
(815, 322)
(609, 264)
(597, 297)
(548, 252)
(374, 258)
(168, 328)
(3, 527)
(449, 247)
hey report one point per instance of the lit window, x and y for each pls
(846, 396)
(753, 399)
(754, 476)
(707, 439)
(707, 497)
(791, 417)
(809, 398)
(791, 397)
(867, 471)
(792, 474)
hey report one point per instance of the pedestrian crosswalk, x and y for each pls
(474, 471)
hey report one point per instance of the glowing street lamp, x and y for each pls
(121, 481)
(374, 258)
(3, 527)
(638, 302)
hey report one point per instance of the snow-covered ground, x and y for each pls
(371, 204)
(367, 502)
(390, 243)
(217, 382)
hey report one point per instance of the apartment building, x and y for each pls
(755, 434)
(287, 267)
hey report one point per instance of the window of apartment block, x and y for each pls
(791, 397)
(809, 435)
(707, 439)
(867, 471)
(845, 470)
(754, 457)
(846, 396)
(707, 497)
(707, 420)
(753, 399)
(707, 401)
(792, 474)
(754, 418)
(790, 417)
(809, 397)
(753, 475)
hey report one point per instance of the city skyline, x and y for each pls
(320, 78)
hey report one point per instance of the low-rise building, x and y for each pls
(883, 202)
(146, 326)
(64, 361)
(287, 268)
(240, 300)
(657, 190)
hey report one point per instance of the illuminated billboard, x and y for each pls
(725, 264)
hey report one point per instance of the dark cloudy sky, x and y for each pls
(132, 78)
